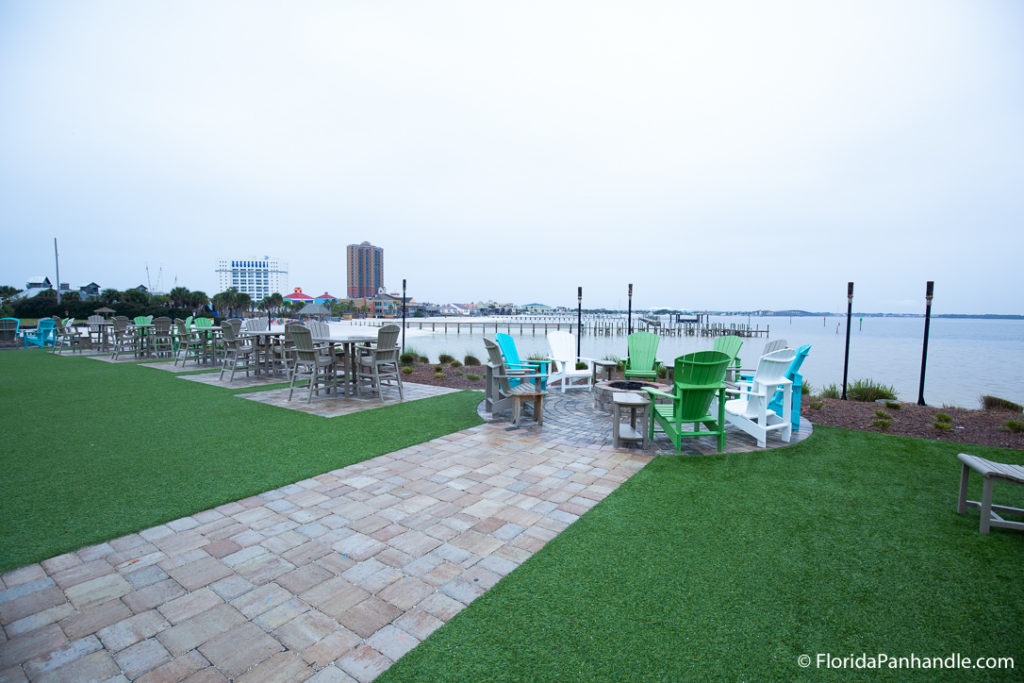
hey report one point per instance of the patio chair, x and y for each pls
(65, 335)
(256, 324)
(380, 363)
(564, 361)
(9, 330)
(699, 379)
(283, 352)
(162, 342)
(750, 411)
(188, 342)
(642, 361)
(769, 347)
(793, 374)
(312, 362)
(516, 366)
(44, 335)
(729, 344)
(97, 338)
(235, 352)
(501, 395)
(121, 339)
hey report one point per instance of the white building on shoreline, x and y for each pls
(257, 277)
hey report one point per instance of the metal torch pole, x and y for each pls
(849, 313)
(579, 319)
(929, 290)
(403, 315)
(629, 325)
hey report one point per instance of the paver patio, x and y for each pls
(330, 578)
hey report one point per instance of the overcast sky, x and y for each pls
(718, 155)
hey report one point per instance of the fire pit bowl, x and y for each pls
(603, 391)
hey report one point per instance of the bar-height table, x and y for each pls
(263, 345)
(348, 341)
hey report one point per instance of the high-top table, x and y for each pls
(348, 341)
(263, 345)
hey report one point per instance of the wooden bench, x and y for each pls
(990, 471)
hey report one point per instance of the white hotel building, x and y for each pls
(257, 277)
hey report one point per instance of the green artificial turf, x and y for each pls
(730, 567)
(94, 450)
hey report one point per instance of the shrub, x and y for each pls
(407, 358)
(881, 423)
(470, 359)
(816, 405)
(438, 368)
(438, 375)
(411, 352)
(424, 359)
(407, 369)
(662, 372)
(996, 403)
(580, 365)
(1013, 426)
(454, 363)
(460, 373)
(882, 414)
(445, 358)
(943, 417)
(471, 376)
(831, 391)
(869, 390)
(805, 389)
(942, 426)
(893, 405)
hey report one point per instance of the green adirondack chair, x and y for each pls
(730, 344)
(699, 377)
(642, 363)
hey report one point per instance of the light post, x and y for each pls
(403, 315)
(929, 290)
(579, 319)
(629, 326)
(849, 313)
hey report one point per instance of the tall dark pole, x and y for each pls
(403, 315)
(849, 313)
(928, 292)
(579, 319)
(56, 260)
(629, 327)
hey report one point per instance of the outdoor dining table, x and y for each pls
(263, 346)
(209, 336)
(142, 332)
(348, 341)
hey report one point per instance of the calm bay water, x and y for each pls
(966, 358)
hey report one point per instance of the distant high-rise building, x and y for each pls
(365, 270)
(256, 277)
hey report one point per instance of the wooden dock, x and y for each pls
(602, 326)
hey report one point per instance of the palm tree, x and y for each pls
(110, 296)
(179, 297)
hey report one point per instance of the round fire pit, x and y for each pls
(603, 391)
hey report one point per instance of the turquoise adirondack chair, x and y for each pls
(642, 361)
(44, 334)
(793, 373)
(517, 365)
(730, 344)
(699, 378)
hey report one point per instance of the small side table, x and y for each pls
(621, 432)
(607, 366)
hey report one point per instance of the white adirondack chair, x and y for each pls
(563, 360)
(750, 411)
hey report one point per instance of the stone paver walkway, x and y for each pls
(329, 579)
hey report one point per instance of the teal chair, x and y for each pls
(44, 334)
(792, 373)
(515, 364)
